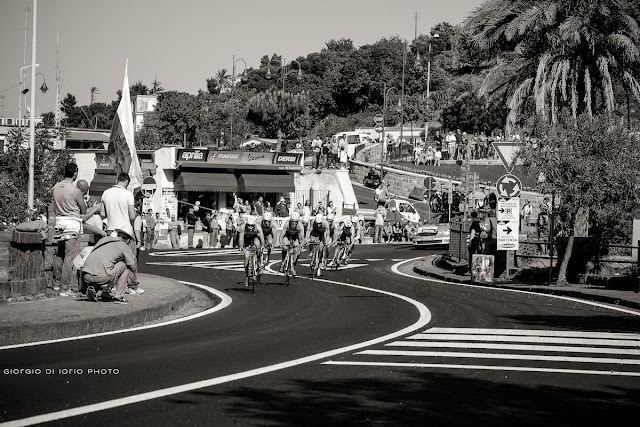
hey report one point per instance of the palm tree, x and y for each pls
(559, 54)
(94, 91)
(220, 83)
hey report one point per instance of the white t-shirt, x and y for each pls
(116, 204)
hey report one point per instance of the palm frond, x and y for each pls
(574, 95)
(607, 86)
(524, 22)
(519, 95)
(626, 47)
(633, 84)
(631, 25)
(587, 92)
(556, 73)
(539, 89)
(566, 67)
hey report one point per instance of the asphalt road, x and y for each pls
(366, 345)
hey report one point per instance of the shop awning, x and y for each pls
(266, 183)
(206, 181)
(101, 182)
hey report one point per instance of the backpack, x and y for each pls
(490, 229)
(79, 260)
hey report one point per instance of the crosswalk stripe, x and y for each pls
(535, 332)
(551, 348)
(532, 339)
(501, 356)
(485, 368)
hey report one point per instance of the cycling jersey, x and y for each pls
(317, 230)
(347, 232)
(266, 229)
(250, 234)
(292, 231)
(332, 229)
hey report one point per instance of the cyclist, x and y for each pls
(357, 235)
(305, 223)
(268, 229)
(250, 234)
(331, 241)
(293, 236)
(345, 235)
(318, 232)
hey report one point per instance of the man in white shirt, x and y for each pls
(118, 206)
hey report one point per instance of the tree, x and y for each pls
(14, 172)
(220, 83)
(178, 114)
(280, 113)
(156, 86)
(560, 54)
(94, 92)
(591, 167)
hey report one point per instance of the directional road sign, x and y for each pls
(378, 128)
(508, 186)
(378, 119)
(508, 216)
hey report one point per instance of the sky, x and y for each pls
(184, 42)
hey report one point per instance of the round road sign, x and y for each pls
(378, 118)
(508, 186)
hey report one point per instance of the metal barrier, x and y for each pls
(314, 196)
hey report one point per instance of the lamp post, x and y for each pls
(426, 126)
(32, 125)
(401, 102)
(385, 95)
(22, 91)
(284, 72)
(233, 83)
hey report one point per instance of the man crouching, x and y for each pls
(108, 267)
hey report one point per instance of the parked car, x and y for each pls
(435, 233)
(406, 212)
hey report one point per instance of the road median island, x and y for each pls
(56, 318)
(429, 267)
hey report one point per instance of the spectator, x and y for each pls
(383, 196)
(387, 231)
(190, 221)
(174, 233)
(214, 229)
(139, 225)
(450, 141)
(69, 205)
(380, 215)
(206, 229)
(150, 230)
(259, 206)
(267, 207)
(343, 158)
(156, 230)
(282, 211)
(325, 150)
(330, 209)
(320, 209)
(300, 209)
(525, 215)
(110, 267)
(409, 231)
(543, 225)
(237, 204)
(437, 156)
(475, 243)
(316, 148)
(362, 230)
(91, 221)
(230, 229)
(246, 208)
(334, 153)
(306, 210)
(397, 231)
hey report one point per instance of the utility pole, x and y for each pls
(415, 35)
(57, 117)
(32, 126)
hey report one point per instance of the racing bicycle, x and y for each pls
(287, 264)
(340, 256)
(315, 258)
(252, 270)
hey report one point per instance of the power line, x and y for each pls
(9, 88)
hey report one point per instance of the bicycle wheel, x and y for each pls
(254, 273)
(314, 261)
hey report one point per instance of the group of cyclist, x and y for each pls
(257, 233)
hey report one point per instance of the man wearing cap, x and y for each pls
(110, 267)
(282, 211)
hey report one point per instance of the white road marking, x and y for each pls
(374, 259)
(510, 338)
(195, 253)
(484, 368)
(226, 301)
(502, 356)
(533, 332)
(520, 347)
(423, 319)
(342, 267)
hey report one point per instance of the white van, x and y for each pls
(352, 139)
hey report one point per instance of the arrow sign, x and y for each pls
(508, 230)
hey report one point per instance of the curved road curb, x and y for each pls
(430, 270)
(93, 322)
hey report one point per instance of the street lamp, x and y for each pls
(284, 71)
(426, 126)
(32, 126)
(385, 95)
(243, 78)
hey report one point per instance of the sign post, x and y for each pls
(508, 188)
(508, 153)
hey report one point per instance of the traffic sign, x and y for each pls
(378, 128)
(430, 183)
(508, 153)
(508, 186)
(508, 235)
(378, 119)
(508, 209)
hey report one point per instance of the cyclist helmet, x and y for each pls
(295, 216)
(347, 223)
(319, 218)
(305, 219)
(331, 216)
(355, 219)
(251, 220)
(268, 216)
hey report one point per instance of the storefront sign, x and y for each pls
(103, 162)
(225, 157)
(256, 159)
(287, 159)
(194, 155)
